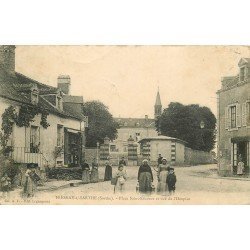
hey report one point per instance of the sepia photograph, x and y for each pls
(124, 124)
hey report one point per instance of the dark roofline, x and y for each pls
(31, 79)
(161, 138)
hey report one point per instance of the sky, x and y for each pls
(126, 78)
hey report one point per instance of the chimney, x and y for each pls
(7, 58)
(146, 117)
(63, 82)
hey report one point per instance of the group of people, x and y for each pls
(165, 175)
(31, 180)
(90, 175)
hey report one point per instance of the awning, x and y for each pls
(240, 139)
(74, 131)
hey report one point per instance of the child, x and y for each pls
(5, 185)
(121, 176)
(240, 166)
(171, 180)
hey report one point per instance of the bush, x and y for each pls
(74, 173)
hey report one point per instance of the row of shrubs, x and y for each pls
(74, 173)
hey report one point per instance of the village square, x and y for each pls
(58, 148)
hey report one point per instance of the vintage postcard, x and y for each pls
(124, 125)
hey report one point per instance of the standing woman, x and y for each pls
(85, 172)
(108, 172)
(94, 177)
(162, 174)
(30, 185)
(145, 177)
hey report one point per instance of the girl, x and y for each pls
(121, 176)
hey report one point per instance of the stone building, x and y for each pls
(234, 120)
(170, 148)
(136, 129)
(62, 142)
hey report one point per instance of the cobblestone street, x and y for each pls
(198, 184)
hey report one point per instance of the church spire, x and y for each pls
(158, 106)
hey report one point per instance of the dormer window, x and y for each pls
(59, 102)
(242, 74)
(34, 96)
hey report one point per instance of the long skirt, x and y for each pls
(29, 187)
(108, 173)
(85, 176)
(145, 182)
(94, 177)
(162, 184)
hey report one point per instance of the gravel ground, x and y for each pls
(195, 185)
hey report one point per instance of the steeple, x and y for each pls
(158, 106)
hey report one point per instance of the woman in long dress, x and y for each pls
(94, 177)
(85, 172)
(108, 172)
(145, 177)
(29, 186)
(162, 174)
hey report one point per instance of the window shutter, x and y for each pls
(226, 118)
(27, 138)
(238, 115)
(244, 115)
(232, 153)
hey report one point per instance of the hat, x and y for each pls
(171, 168)
(164, 159)
(145, 160)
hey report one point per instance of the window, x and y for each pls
(113, 148)
(34, 96)
(34, 139)
(137, 136)
(233, 116)
(59, 135)
(248, 113)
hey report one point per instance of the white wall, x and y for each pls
(48, 137)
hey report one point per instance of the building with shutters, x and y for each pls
(136, 129)
(62, 142)
(170, 148)
(234, 120)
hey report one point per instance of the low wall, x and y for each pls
(195, 157)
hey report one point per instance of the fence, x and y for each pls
(25, 155)
(195, 157)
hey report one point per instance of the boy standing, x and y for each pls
(171, 180)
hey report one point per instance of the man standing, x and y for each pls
(160, 160)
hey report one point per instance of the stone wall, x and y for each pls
(195, 157)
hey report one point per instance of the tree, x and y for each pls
(101, 123)
(184, 122)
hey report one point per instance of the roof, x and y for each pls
(158, 99)
(14, 87)
(136, 122)
(73, 99)
(161, 138)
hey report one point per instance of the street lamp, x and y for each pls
(97, 152)
(202, 124)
